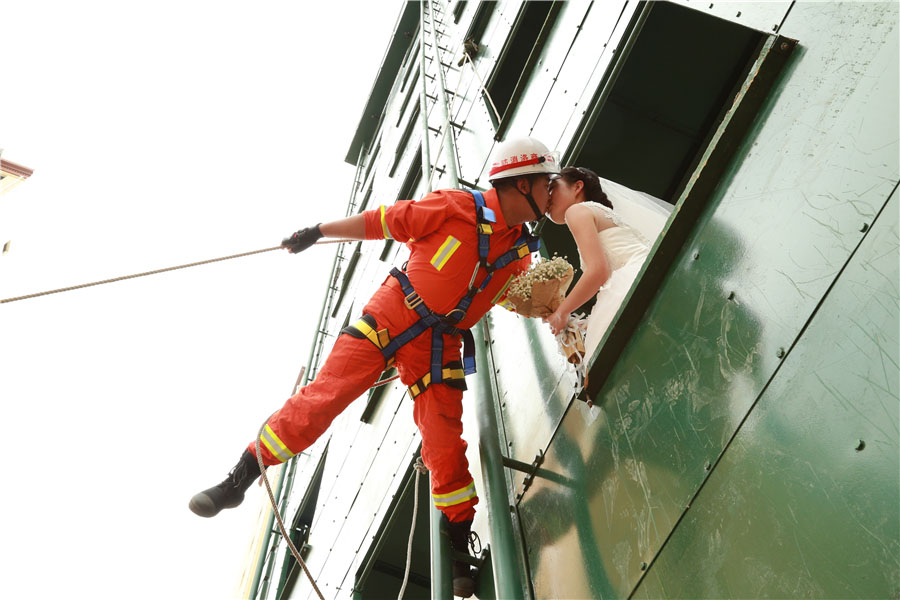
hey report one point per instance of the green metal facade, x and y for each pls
(742, 435)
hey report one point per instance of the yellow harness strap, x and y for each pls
(367, 328)
(453, 375)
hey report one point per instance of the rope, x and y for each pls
(154, 272)
(481, 82)
(384, 381)
(287, 538)
(420, 469)
(291, 546)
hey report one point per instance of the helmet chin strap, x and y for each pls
(537, 212)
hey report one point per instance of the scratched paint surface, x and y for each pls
(805, 501)
(819, 164)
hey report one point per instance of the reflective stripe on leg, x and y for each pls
(455, 497)
(275, 445)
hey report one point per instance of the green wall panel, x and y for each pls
(815, 168)
(798, 507)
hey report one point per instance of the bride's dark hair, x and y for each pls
(592, 190)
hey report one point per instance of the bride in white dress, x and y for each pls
(611, 251)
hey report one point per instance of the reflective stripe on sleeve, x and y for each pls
(440, 258)
(457, 497)
(275, 445)
(384, 227)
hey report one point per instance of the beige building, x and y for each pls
(11, 175)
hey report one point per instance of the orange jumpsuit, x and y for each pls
(440, 231)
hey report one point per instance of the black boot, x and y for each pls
(463, 582)
(229, 493)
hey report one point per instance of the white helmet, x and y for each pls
(522, 156)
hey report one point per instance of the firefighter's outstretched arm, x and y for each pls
(351, 228)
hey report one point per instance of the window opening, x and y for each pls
(381, 572)
(386, 251)
(518, 57)
(409, 94)
(300, 529)
(410, 52)
(348, 275)
(404, 138)
(480, 21)
(373, 157)
(458, 10)
(413, 178)
(365, 200)
(677, 82)
(375, 396)
(346, 320)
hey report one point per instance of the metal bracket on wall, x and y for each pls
(529, 470)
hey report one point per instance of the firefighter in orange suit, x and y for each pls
(465, 248)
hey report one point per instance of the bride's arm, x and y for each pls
(594, 265)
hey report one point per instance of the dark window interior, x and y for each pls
(413, 177)
(381, 572)
(407, 64)
(514, 57)
(373, 156)
(348, 275)
(458, 10)
(375, 396)
(480, 20)
(404, 138)
(409, 94)
(675, 87)
(301, 526)
(365, 200)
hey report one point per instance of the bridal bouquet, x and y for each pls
(538, 293)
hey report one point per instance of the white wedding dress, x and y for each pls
(640, 219)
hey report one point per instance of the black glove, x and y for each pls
(302, 239)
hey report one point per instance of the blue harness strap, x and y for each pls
(441, 325)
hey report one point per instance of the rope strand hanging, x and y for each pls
(156, 271)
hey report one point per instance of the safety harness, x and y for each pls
(453, 373)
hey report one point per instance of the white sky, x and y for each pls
(160, 133)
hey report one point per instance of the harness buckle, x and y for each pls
(412, 300)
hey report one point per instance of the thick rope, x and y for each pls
(481, 82)
(384, 381)
(154, 272)
(291, 546)
(420, 469)
(284, 534)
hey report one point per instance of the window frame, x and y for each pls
(702, 177)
